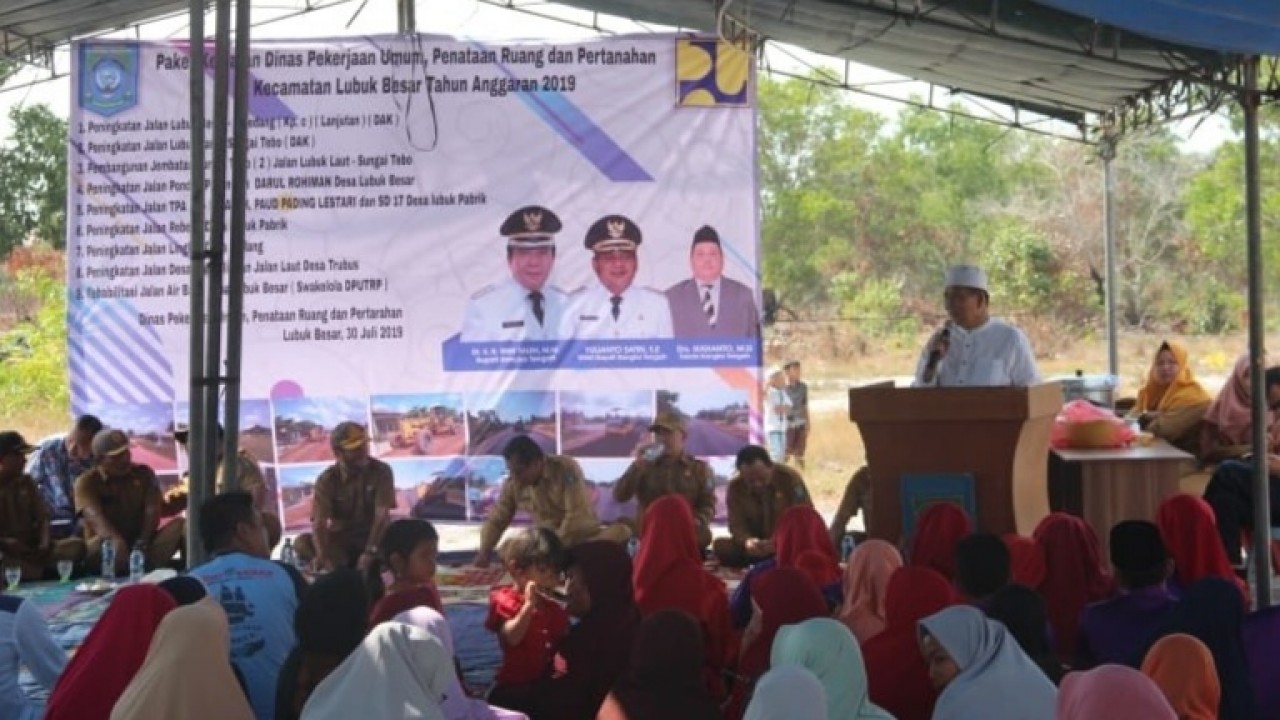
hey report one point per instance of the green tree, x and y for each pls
(33, 164)
(33, 354)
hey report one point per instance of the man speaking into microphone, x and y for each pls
(973, 349)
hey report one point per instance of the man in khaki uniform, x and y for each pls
(351, 506)
(670, 472)
(249, 479)
(550, 488)
(757, 497)
(24, 515)
(120, 501)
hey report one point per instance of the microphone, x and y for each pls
(935, 355)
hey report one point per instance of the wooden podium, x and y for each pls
(999, 435)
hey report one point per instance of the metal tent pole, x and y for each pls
(217, 232)
(1261, 553)
(196, 468)
(235, 275)
(406, 20)
(1107, 151)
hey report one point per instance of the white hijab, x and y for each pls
(398, 671)
(456, 705)
(789, 692)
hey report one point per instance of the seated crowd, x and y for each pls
(953, 624)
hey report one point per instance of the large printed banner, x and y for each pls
(449, 242)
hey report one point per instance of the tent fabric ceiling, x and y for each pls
(1016, 51)
(1239, 26)
(30, 28)
(1019, 52)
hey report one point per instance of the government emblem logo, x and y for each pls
(711, 73)
(108, 77)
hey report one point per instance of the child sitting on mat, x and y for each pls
(527, 617)
(409, 549)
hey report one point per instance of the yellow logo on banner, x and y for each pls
(711, 73)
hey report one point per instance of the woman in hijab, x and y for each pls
(1075, 577)
(1112, 692)
(866, 583)
(1212, 613)
(827, 649)
(1172, 403)
(597, 651)
(980, 671)
(783, 596)
(1226, 432)
(1190, 534)
(457, 705)
(938, 529)
(111, 655)
(788, 693)
(669, 576)
(662, 683)
(1182, 667)
(330, 623)
(25, 643)
(187, 673)
(398, 671)
(1026, 560)
(896, 672)
(1021, 610)
(1227, 436)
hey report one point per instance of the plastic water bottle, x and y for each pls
(137, 565)
(288, 555)
(108, 560)
(633, 545)
(846, 547)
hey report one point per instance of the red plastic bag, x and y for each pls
(1081, 424)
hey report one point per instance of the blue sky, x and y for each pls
(514, 405)
(136, 419)
(693, 402)
(294, 475)
(327, 411)
(606, 470)
(489, 467)
(253, 411)
(414, 472)
(405, 403)
(637, 403)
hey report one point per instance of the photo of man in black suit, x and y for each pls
(710, 305)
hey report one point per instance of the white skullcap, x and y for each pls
(970, 276)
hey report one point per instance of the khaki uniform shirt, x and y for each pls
(685, 475)
(560, 501)
(248, 478)
(122, 500)
(347, 498)
(754, 512)
(23, 513)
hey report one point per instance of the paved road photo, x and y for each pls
(593, 440)
(711, 438)
(495, 443)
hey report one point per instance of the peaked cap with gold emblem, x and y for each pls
(612, 232)
(531, 226)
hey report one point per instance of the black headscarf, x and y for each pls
(184, 589)
(330, 622)
(665, 681)
(1022, 612)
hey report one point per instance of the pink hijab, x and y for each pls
(1231, 413)
(866, 582)
(1112, 692)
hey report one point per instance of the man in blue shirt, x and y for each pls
(258, 595)
(55, 466)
